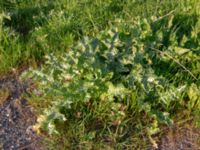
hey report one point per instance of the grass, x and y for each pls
(34, 29)
(167, 36)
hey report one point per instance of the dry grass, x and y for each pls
(4, 93)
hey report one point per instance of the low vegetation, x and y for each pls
(111, 76)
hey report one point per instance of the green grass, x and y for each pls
(139, 83)
(40, 28)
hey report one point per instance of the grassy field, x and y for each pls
(108, 74)
(31, 29)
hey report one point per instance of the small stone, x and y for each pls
(30, 130)
(28, 139)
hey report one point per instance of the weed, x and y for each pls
(114, 71)
(102, 84)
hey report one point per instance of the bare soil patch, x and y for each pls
(16, 118)
(184, 137)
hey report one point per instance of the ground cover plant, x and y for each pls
(111, 76)
(124, 81)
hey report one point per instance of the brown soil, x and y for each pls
(184, 137)
(16, 118)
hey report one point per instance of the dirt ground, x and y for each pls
(17, 119)
(185, 137)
